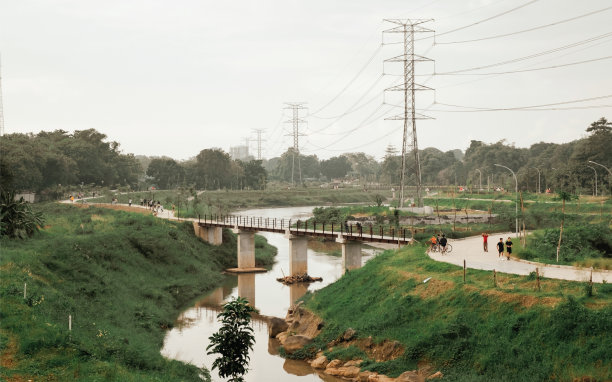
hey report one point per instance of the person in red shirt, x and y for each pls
(485, 244)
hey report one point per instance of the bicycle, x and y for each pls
(448, 249)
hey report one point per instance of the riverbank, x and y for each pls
(120, 279)
(490, 327)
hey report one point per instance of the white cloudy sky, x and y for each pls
(171, 78)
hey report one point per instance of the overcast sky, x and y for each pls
(171, 78)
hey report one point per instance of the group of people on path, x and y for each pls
(154, 205)
(500, 246)
(438, 243)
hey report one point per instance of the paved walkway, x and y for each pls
(470, 250)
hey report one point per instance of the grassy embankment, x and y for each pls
(124, 278)
(223, 202)
(472, 331)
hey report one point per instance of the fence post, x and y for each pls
(332, 228)
(494, 278)
(25, 288)
(538, 278)
(464, 270)
(69, 322)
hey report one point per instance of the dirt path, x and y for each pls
(470, 249)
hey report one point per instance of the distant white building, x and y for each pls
(239, 152)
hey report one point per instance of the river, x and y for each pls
(187, 341)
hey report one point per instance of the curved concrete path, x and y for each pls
(470, 249)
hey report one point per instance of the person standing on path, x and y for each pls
(485, 244)
(508, 248)
(500, 248)
(443, 244)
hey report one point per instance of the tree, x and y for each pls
(336, 167)
(166, 172)
(233, 340)
(602, 126)
(255, 175)
(212, 169)
(564, 196)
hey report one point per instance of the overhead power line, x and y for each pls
(525, 70)
(524, 30)
(350, 82)
(487, 19)
(595, 38)
(529, 107)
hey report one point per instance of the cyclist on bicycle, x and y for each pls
(443, 242)
(434, 243)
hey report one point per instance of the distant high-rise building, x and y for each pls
(239, 152)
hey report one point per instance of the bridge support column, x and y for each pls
(212, 235)
(298, 258)
(246, 248)
(246, 287)
(351, 254)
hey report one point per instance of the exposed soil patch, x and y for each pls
(7, 357)
(522, 300)
(432, 288)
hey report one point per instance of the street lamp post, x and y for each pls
(480, 181)
(539, 191)
(515, 195)
(599, 164)
(595, 171)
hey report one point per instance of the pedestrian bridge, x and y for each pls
(209, 228)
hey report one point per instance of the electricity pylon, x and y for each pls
(296, 121)
(408, 28)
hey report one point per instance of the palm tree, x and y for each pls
(563, 196)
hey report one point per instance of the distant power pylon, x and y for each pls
(1, 109)
(408, 28)
(296, 121)
(259, 140)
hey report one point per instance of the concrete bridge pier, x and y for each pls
(351, 253)
(246, 248)
(246, 287)
(212, 235)
(298, 258)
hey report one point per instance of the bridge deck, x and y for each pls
(284, 226)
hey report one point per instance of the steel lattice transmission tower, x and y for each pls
(409, 28)
(1, 109)
(296, 121)
(259, 140)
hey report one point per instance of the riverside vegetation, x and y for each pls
(472, 331)
(123, 277)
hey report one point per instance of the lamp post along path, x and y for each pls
(515, 196)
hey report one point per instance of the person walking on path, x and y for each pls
(508, 248)
(485, 244)
(433, 241)
(500, 248)
(443, 244)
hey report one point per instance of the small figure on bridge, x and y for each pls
(346, 227)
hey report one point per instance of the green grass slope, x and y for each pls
(472, 331)
(123, 278)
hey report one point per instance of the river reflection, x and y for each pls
(187, 341)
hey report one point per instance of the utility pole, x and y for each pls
(296, 121)
(1, 109)
(259, 140)
(408, 28)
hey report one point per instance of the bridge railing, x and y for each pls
(351, 230)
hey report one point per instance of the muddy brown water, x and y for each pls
(188, 340)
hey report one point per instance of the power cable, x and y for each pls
(524, 30)
(476, 108)
(524, 70)
(591, 39)
(350, 82)
(546, 60)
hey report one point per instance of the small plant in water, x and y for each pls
(233, 340)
